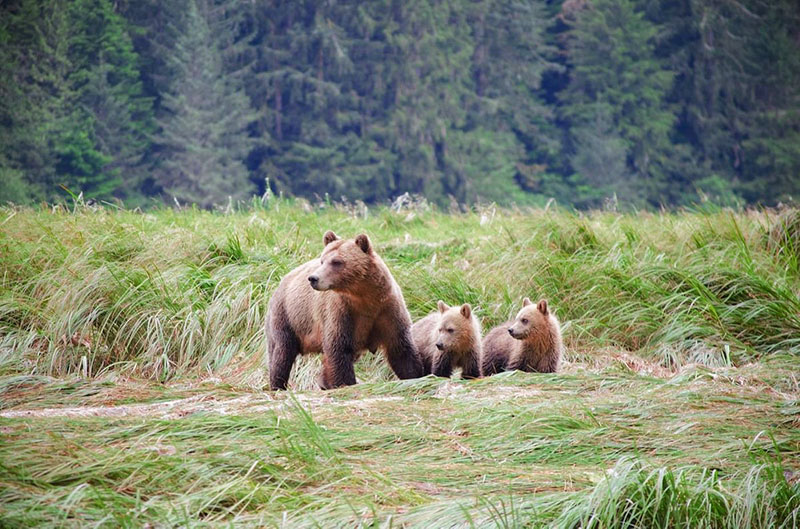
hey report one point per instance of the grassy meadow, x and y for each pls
(133, 378)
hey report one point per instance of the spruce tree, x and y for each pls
(33, 95)
(203, 140)
(512, 54)
(106, 82)
(744, 106)
(616, 76)
(73, 107)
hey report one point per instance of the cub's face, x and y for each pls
(529, 319)
(342, 263)
(455, 326)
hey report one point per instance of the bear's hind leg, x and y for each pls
(283, 350)
(492, 363)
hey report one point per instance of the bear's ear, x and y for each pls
(542, 306)
(442, 306)
(466, 310)
(526, 302)
(329, 237)
(363, 242)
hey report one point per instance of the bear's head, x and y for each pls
(343, 263)
(455, 331)
(530, 319)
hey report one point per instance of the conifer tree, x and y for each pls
(512, 54)
(33, 93)
(106, 82)
(616, 76)
(203, 140)
(746, 95)
(75, 113)
(480, 100)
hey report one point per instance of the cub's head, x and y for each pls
(456, 329)
(530, 319)
(343, 263)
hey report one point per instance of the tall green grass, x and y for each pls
(679, 407)
(170, 292)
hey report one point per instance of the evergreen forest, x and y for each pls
(640, 102)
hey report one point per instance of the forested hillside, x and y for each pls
(195, 101)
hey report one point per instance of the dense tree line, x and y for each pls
(656, 103)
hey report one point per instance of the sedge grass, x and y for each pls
(606, 448)
(677, 406)
(176, 292)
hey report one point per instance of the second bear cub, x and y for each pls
(531, 342)
(449, 338)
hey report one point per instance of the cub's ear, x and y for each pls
(442, 306)
(542, 306)
(363, 242)
(526, 302)
(329, 237)
(466, 310)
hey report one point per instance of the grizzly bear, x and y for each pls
(531, 342)
(341, 304)
(448, 338)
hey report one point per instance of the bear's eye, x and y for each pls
(524, 321)
(337, 262)
(451, 331)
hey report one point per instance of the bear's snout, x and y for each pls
(440, 346)
(314, 280)
(511, 331)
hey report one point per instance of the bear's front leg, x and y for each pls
(519, 363)
(471, 368)
(338, 355)
(401, 354)
(442, 366)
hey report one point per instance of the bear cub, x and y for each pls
(341, 304)
(531, 342)
(447, 339)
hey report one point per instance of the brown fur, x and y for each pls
(355, 305)
(457, 331)
(534, 343)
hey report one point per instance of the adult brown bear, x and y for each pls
(341, 304)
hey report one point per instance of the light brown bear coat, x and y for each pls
(341, 304)
(449, 338)
(531, 342)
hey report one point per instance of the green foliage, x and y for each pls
(107, 83)
(13, 187)
(203, 137)
(640, 102)
(740, 91)
(34, 67)
(615, 100)
(79, 164)
(484, 161)
(75, 111)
